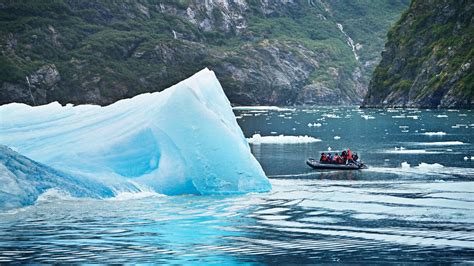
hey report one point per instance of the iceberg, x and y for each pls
(24, 180)
(183, 140)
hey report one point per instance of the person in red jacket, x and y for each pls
(323, 158)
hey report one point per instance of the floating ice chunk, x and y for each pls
(440, 143)
(405, 165)
(423, 166)
(182, 140)
(404, 151)
(257, 139)
(427, 166)
(331, 116)
(337, 137)
(398, 116)
(367, 117)
(262, 108)
(314, 124)
(441, 116)
(439, 133)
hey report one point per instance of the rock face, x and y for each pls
(264, 52)
(427, 61)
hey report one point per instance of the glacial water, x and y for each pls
(415, 203)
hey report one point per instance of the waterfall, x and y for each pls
(350, 42)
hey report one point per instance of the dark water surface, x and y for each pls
(414, 204)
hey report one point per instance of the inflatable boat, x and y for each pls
(316, 164)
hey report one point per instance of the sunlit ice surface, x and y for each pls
(184, 140)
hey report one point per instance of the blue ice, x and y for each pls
(183, 140)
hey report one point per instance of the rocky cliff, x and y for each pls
(268, 52)
(427, 61)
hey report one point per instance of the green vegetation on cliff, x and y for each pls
(427, 60)
(264, 52)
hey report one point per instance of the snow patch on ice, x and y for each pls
(126, 195)
(54, 194)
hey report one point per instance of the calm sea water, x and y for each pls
(414, 204)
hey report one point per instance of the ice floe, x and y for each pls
(402, 150)
(440, 143)
(261, 108)
(281, 139)
(367, 117)
(439, 133)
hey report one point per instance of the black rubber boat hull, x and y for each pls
(317, 165)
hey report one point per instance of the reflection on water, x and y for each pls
(421, 212)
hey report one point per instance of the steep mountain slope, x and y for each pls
(263, 51)
(427, 60)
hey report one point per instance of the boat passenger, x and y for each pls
(324, 158)
(355, 157)
(344, 156)
(330, 157)
(338, 159)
